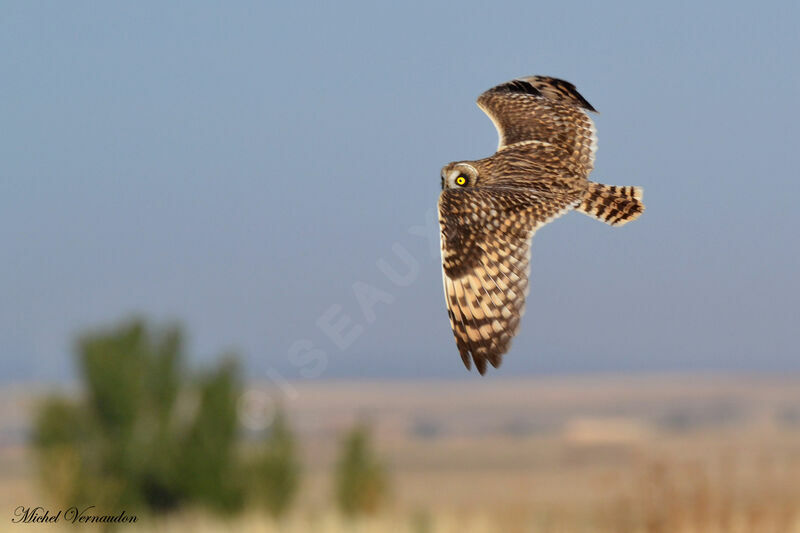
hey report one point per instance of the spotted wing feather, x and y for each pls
(486, 234)
(545, 110)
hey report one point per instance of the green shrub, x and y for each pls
(277, 468)
(361, 480)
(127, 444)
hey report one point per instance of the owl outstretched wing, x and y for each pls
(544, 110)
(485, 235)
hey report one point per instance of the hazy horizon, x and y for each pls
(259, 173)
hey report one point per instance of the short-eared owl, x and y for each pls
(489, 209)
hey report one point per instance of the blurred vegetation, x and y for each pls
(147, 435)
(277, 468)
(143, 435)
(208, 467)
(361, 481)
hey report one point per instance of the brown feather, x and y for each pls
(540, 171)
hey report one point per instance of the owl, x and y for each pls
(490, 208)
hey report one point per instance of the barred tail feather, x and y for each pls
(612, 204)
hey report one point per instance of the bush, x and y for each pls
(128, 445)
(361, 481)
(277, 468)
(208, 467)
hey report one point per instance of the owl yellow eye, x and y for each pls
(461, 180)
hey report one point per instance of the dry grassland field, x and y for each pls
(670, 453)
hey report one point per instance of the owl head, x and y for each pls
(458, 175)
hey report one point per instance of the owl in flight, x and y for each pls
(489, 209)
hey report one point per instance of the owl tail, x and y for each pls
(612, 204)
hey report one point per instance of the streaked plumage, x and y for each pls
(489, 209)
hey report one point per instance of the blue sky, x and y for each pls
(254, 170)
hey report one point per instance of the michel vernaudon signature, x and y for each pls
(72, 515)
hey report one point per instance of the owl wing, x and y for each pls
(545, 110)
(485, 235)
